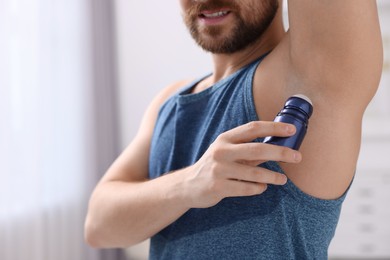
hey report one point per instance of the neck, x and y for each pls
(226, 64)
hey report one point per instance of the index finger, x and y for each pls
(255, 129)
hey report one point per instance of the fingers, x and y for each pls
(250, 181)
(242, 188)
(261, 152)
(254, 174)
(232, 158)
(255, 129)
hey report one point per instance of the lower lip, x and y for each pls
(213, 20)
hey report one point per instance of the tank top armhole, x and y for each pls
(249, 101)
(184, 88)
(304, 198)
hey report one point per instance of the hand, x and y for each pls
(229, 167)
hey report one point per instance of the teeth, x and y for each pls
(217, 14)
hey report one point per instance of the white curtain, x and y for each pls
(49, 158)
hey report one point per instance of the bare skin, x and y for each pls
(331, 53)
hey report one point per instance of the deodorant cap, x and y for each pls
(304, 97)
(300, 102)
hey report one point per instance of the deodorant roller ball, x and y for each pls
(297, 111)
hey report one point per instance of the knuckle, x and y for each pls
(246, 190)
(214, 170)
(275, 126)
(252, 126)
(286, 154)
(279, 128)
(218, 152)
(256, 174)
(254, 148)
(258, 189)
(266, 177)
(270, 177)
(221, 137)
(215, 154)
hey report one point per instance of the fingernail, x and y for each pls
(297, 157)
(290, 129)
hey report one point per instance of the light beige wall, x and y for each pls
(154, 50)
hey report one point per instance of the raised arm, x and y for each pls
(337, 44)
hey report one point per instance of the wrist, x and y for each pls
(178, 190)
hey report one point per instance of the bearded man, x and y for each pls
(198, 179)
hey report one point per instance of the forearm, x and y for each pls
(122, 213)
(125, 213)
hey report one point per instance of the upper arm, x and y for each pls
(132, 164)
(336, 45)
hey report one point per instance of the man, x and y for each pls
(190, 178)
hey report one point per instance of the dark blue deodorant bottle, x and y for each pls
(297, 111)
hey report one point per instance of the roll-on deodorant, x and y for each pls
(297, 111)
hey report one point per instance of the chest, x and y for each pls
(187, 125)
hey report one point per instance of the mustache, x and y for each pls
(198, 8)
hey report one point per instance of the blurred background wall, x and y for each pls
(58, 131)
(75, 78)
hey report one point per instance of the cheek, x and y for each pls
(249, 10)
(184, 5)
(253, 11)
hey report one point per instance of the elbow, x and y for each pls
(97, 236)
(95, 227)
(91, 234)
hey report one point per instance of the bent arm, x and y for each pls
(125, 208)
(337, 45)
(124, 213)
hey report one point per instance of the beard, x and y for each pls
(250, 22)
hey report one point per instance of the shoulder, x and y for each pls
(151, 114)
(169, 91)
(132, 164)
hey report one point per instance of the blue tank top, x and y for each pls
(281, 223)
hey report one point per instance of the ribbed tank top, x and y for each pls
(281, 223)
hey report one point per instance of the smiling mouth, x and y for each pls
(212, 15)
